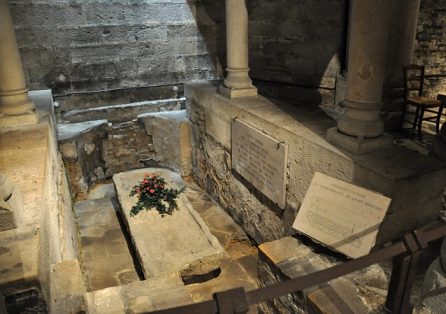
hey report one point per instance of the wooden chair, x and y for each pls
(414, 96)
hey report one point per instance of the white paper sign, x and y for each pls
(341, 215)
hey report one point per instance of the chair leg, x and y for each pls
(437, 124)
(415, 121)
(420, 121)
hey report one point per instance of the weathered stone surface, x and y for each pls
(126, 146)
(19, 255)
(102, 241)
(81, 146)
(26, 174)
(122, 112)
(430, 47)
(7, 220)
(273, 47)
(140, 297)
(180, 242)
(67, 103)
(170, 133)
(433, 296)
(404, 176)
(260, 159)
(106, 190)
(113, 46)
(291, 259)
(95, 150)
(67, 288)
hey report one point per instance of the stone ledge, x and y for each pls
(292, 259)
(413, 181)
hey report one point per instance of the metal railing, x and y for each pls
(405, 254)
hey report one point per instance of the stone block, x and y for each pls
(67, 288)
(293, 260)
(180, 242)
(102, 241)
(170, 133)
(140, 297)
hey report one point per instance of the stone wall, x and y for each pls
(96, 150)
(91, 45)
(299, 45)
(404, 176)
(430, 48)
(97, 45)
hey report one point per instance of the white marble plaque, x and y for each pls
(341, 215)
(261, 160)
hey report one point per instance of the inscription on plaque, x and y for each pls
(341, 215)
(261, 160)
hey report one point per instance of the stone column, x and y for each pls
(237, 82)
(400, 49)
(15, 106)
(360, 129)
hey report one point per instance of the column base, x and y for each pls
(19, 120)
(237, 92)
(356, 145)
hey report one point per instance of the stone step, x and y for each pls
(180, 242)
(288, 258)
(140, 297)
(105, 257)
(123, 112)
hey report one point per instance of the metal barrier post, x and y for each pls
(403, 275)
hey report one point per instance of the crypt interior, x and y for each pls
(239, 104)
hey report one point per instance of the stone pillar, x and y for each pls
(15, 106)
(400, 49)
(360, 129)
(237, 82)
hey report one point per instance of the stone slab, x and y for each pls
(261, 160)
(341, 215)
(102, 240)
(140, 297)
(295, 260)
(67, 288)
(180, 242)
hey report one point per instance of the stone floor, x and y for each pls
(105, 257)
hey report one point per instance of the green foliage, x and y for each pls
(152, 193)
